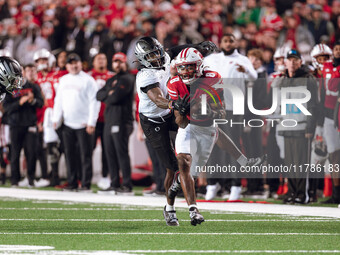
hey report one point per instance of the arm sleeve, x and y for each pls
(205, 47)
(151, 86)
(251, 74)
(103, 92)
(11, 104)
(94, 104)
(39, 100)
(321, 103)
(57, 108)
(172, 91)
(144, 79)
(174, 51)
(121, 90)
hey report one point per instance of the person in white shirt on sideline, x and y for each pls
(76, 106)
(235, 70)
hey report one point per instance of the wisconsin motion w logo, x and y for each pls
(212, 93)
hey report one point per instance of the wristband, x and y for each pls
(170, 104)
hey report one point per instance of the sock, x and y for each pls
(242, 160)
(169, 208)
(3, 178)
(192, 207)
(336, 195)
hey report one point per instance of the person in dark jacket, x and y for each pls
(118, 95)
(22, 119)
(297, 138)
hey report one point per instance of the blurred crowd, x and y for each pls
(87, 27)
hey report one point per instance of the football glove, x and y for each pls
(207, 47)
(182, 105)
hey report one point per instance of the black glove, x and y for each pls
(207, 47)
(182, 105)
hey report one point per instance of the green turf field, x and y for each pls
(82, 228)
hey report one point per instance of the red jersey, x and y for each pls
(271, 78)
(271, 23)
(331, 77)
(56, 77)
(176, 87)
(46, 85)
(101, 79)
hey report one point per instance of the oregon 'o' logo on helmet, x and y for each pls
(10, 75)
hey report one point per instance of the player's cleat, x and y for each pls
(104, 183)
(212, 191)
(235, 193)
(196, 217)
(41, 183)
(84, 190)
(175, 187)
(170, 218)
(256, 161)
(125, 191)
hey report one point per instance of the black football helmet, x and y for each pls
(150, 53)
(10, 75)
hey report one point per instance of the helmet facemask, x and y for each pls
(10, 76)
(319, 61)
(318, 51)
(189, 65)
(150, 53)
(189, 72)
(155, 58)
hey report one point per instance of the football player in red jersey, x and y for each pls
(329, 95)
(45, 81)
(320, 54)
(100, 73)
(197, 134)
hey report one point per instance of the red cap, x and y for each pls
(119, 56)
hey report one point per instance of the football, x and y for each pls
(196, 116)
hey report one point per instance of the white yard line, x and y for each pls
(77, 209)
(160, 202)
(161, 220)
(24, 247)
(130, 252)
(233, 251)
(169, 233)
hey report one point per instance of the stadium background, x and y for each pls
(87, 27)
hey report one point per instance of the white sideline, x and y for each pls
(170, 233)
(130, 252)
(233, 251)
(160, 202)
(161, 220)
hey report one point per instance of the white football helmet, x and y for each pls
(319, 50)
(42, 54)
(5, 53)
(280, 53)
(189, 65)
